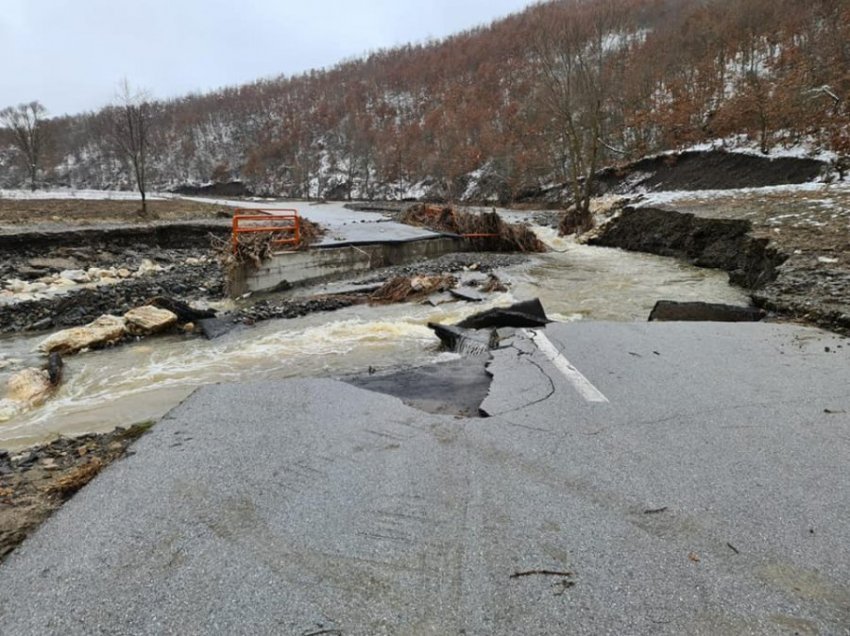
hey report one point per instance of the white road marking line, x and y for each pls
(573, 375)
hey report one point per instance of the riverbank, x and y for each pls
(788, 246)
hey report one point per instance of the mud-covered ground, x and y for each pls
(29, 213)
(36, 481)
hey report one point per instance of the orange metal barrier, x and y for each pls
(283, 222)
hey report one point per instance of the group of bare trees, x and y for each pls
(28, 136)
(581, 57)
(128, 127)
(542, 98)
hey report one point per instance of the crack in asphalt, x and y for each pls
(552, 387)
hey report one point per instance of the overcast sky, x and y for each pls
(71, 54)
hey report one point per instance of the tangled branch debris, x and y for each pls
(310, 233)
(254, 249)
(510, 237)
(403, 288)
(493, 284)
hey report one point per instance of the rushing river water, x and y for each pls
(142, 381)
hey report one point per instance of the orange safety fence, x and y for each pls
(286, 223)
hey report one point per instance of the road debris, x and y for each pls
(488, 232)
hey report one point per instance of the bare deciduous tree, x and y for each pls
(576, 48)
(26, 122)
(130, 130)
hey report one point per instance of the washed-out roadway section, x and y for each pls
(708, 495)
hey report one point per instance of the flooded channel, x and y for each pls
(142, 381)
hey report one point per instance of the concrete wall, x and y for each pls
(327, 263)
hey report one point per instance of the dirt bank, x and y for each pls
(44, 213)
(798, 273)
(37, 481)
(707, 170)
(690, 170)
(36, 243)
(726, 244)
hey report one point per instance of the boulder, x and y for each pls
(53, 263)
(212, 328)
(529, 313)
(75, 275)
(671, 310)
(17, 286)
(30, 386)
(99, 333)
(148, 320)
(147, 267)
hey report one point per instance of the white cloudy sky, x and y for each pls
(71, 54)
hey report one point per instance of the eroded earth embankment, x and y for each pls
(69, 277)
(783, 278)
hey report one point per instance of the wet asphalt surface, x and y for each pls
(708, 494)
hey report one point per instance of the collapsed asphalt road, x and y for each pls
(645, 478)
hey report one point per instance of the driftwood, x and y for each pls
(403, 288)
(509, 237)
(254, 249)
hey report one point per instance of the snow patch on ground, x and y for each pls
(742, 144)
(89, 195)
(818, 188)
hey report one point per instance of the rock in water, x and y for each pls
(101, 332)
(185, 313)
(212, 328)
(670, 310)
(30, 386)
(147, 320)
(54, 368)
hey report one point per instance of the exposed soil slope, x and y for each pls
(796, 265)
(707, 170)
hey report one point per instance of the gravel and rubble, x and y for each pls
(190, 274)
(339, 295)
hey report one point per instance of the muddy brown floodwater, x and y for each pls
(142, 381)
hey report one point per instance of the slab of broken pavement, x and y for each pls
(660, 477)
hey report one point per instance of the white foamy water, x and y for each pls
(142, 381)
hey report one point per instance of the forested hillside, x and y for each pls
(544, 96)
